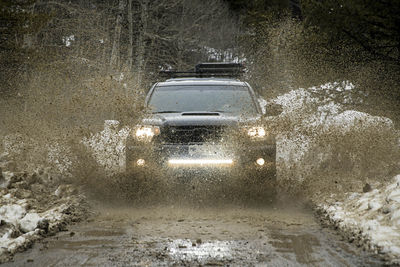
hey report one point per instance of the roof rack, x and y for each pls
(219, 69)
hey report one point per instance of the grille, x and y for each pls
(191, 134)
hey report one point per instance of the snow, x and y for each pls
(312, 114)
(67, 40)
(395, 216)
(350, 119)
(16, 217)
(11, 213)
(366, 213)
(394, 195)
(222, 55)
(263, 103)
(30, 222)
(21, 223)
(317, 112)
(7, 175)
(374, 205)
(18, 242)
(397, 179)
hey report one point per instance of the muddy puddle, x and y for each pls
(274, 235)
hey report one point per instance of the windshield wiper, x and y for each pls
(168, 111)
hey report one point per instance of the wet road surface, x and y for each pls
(158, 236)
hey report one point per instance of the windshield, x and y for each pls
(212, 98)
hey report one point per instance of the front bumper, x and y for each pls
(201, 156)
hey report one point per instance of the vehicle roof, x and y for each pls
(201, 81)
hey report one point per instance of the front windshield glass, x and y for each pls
(210, 98)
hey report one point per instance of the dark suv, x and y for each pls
(205, 121)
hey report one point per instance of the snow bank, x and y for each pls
(30, 222)
(11, 213)
(329, 149)
(302, 115)
(31, 207)
(372, 219)
(315, 133)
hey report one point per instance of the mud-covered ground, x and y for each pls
(277, 234)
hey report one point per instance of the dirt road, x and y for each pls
(275, 235)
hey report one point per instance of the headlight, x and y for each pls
(256, 132)
(145, 133)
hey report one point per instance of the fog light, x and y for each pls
(260, 161)
(140, 162)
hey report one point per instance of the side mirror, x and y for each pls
(273, 109)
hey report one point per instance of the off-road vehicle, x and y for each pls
(203, 120)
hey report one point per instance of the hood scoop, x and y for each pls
(200, 113)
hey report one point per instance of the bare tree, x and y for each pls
(115, 52)
(130, 29)
(141, 40)
(183, 32)
(175, 33)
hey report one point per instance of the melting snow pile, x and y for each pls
(328, 149)
(317, 133)
(371, 219)
(32, 205)
(39, 200)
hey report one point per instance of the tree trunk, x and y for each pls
(105, 38)
(115, 52)
(180, 41)
(140, 42)
(130, 46)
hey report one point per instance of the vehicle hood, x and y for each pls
(199, 119)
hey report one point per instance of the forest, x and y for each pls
(66, 53)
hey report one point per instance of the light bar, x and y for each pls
(200, 161)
